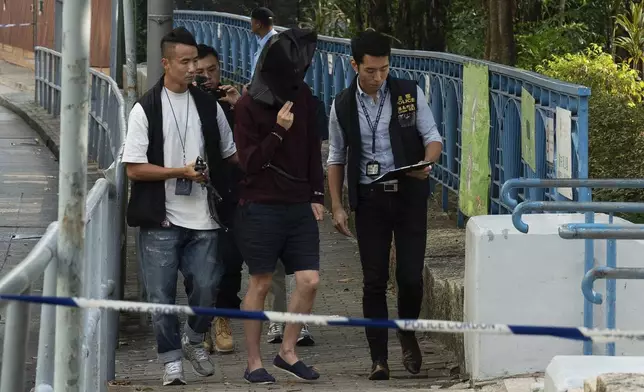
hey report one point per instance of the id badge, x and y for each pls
(373, 169)
(183, 187)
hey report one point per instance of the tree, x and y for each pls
(500, 45)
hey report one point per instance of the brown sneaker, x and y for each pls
(223, 335)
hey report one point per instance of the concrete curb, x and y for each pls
(26, 116)
(35, 125)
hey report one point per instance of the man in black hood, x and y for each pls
(282, 192)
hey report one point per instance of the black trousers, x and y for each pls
(227, 297)
(378, 215)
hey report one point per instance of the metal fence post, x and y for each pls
(47, 334)
(15, 347)
(159, 24)
(72, 188)
(130, 54)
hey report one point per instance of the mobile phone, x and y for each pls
(219, 93)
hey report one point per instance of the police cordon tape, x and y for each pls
(437, 326)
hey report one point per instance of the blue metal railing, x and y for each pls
(588, 231)
(441, 77)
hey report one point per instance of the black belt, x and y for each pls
(384, 188)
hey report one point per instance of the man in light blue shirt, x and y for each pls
(376, 125)
(261, 24)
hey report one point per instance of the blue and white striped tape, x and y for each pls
(16, 25)
(439, 326)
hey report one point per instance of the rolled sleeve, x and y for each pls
(136, 140)
(425, 122)
(337, 144)
(227, 142)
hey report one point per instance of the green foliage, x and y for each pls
(466, 33)
(596, 69)
(141, 29)
(538, 41)
(327, 18)
(616, 117)
(633, 42)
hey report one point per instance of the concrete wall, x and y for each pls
(535, 279)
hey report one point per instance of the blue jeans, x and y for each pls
(165, 252)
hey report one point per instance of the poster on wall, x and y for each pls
(475, 134)
(564, 149)
(528, 143)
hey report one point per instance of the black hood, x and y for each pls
(282, 65)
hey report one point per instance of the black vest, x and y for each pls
(406, 143)
(146, 207)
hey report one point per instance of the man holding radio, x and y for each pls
(169, 128)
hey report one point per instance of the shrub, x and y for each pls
(616, 117)
(538, 41)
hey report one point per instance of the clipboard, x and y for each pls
(401, 171)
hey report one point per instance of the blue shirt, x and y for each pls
(384, 156)
(261, 42)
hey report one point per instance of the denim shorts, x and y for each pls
(268, 232)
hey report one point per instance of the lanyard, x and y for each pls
(185, 132)
(374, 127)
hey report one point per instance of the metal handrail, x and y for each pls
(511, 202)
(570, 206)
(601, 231)
(602, 272)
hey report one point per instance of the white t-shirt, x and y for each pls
(190, 211)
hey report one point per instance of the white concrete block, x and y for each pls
(565, 373)
(535, 279)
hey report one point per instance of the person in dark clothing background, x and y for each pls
(282, 193)
(220, 338)
(383, 123)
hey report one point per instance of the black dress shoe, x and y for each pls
(379, 371)
(412, 357)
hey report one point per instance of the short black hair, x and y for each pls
(264, 15)
(204, 50)
(179, 35)
(372, 43)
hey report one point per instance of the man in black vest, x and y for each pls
(172, 125)
(220, 338)
(385, 123)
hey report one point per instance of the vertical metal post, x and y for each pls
(47, 335)
(58, 25)
(611, 288)
(116, 43)
(159, 24)
(72, 189)
(15, 347)
(130, 54)
(58, 46)
(35, 20)
(585, 195)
